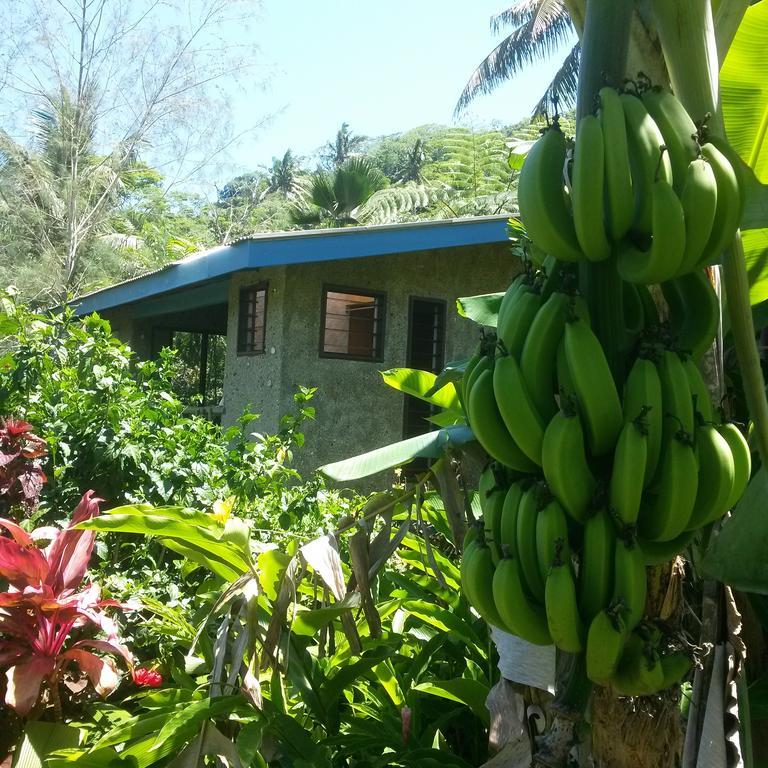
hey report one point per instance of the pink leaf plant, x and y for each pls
(21, 474)
(45, 607)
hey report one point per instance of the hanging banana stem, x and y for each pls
(604, 47)
(687, 33)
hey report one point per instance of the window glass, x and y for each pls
(352, 324)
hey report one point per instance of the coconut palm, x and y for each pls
(540, 27)
(413, 163)
(283, 175)
(355, 193)
(343, 147)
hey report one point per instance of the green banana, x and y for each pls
(517, 408)
(477, 582)
(648, 160)
(675, 666)
(519, 283)
(539, 355)
(742, 460)
(677, 129)
(642, 390)
(596, 579)
(628, 472)
(593, 382)
(565, 386)
(508, 529)
(471, 375)
(639, 672)
(620, 207)
(730, 204)
(669, 512)
(699, 200)
(694, 312)
(699, 391)
(662, 259)
(629, 581)
(551, 536)
(474, 533)
(565, 624)
(676, 397)
(717, 473)
(492, 492)
(522, 617)
(517, 320)
(541, 198)
(565, 466)
(605, 644)
(658, 552)
(489, 429)
(588, 189)
(527, 553)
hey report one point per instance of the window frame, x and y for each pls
(378, 296)
(255, 287)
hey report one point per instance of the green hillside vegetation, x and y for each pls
(429, 172)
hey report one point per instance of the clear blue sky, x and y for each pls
(381, 67)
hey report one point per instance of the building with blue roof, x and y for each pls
(320, 308)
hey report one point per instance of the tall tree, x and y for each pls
(283, 174)
(129, 77)
(346, 143)
(56, 196)
(540, 28)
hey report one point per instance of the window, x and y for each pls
(352, 324)
(251, 323)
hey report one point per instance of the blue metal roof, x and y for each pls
(303, 247)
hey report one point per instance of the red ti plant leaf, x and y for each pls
(46, 606)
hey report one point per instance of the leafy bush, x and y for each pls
(113, 423)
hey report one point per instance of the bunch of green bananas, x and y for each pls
(587, 486)
(643, 184)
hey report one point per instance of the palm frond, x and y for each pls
(538, 36)
(537, 13)
(561, 92)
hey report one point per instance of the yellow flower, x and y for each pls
(223, 509)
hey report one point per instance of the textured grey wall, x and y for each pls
(356, 411)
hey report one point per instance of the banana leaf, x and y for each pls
(744, 98)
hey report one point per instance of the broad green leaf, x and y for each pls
(453, 371)
(347, 674)
(744, 97)
(159, 524)
(440, 618)
(483, 309)
(447, 419)
(40, 739)
(180, 514)
(385, 674)
(184, 723)
(430, 446)
(271, 566)
(758, 698)
(229, 571)
(472, 693)
(419, 384)
(100, 758)
(736, 555)
(309, 622)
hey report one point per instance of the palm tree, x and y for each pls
(56, 196)
(540, 27)
(337, 152)
(413, 163)
(283, 175)
(355, 193)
